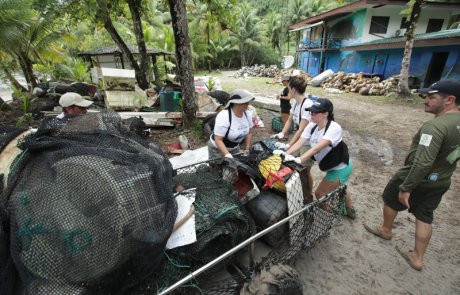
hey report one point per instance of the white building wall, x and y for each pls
(394, 12)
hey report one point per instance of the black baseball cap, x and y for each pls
(321, 105)
(451, 87)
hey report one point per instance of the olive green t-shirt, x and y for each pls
(433, 154)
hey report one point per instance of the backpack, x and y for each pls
(335, 156)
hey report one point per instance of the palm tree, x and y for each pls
(414, 9)
(28, 44)
(250, 33)
(273, 29)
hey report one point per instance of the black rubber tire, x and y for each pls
(279, 279)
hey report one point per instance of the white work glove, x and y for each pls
(278, 152)
(291, 158)
(228, 155)
(282, 146)
(279, 135)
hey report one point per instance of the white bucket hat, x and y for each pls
(240, 96)
(71, 98)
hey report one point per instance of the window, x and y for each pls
(379, 24)
(404, 23)
(434, 25)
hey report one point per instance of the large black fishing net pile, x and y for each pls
(273, 204)
(87, 209)
(221, 223)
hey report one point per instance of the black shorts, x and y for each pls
(423, 200)
(285, 106)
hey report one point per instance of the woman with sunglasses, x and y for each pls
(327, 148)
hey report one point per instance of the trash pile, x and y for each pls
(258, 71)
(361, 83)
(293, 72)
(67, 225)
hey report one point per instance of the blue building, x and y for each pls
(368, 36)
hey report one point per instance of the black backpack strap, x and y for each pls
(300, 110)
(313, 129)
(325, 129)
(230, 121)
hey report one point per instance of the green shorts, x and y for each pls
(342, 174)
(423, 200)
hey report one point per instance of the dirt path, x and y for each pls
(350, 260)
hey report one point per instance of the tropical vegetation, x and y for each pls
(41, 38)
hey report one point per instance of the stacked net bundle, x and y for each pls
(308, 224)
(221, 223)
(88, 209)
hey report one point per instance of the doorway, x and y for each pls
(436, 67)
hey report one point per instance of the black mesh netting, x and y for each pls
(283, 197)
(87, 209)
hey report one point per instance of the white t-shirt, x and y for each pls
(239, 128)
(295, 107)
(333, 134)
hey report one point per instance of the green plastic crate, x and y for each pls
(277, 125)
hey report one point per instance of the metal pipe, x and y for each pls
(237, 248)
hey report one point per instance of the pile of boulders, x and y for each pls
(258, 71)
(361, 83)
(293, 72)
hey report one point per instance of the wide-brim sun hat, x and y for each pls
(239, 96)
(71, 98)
(285, 78)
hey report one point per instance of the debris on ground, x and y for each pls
(258, 71)
(364, 84)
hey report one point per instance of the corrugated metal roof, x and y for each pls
(361, 4)
(115, 50)
(445, 34)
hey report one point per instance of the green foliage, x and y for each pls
(24, 97)
(25, 120)
(197, 129)
(267, 56)
(69, 69)
(210, 84)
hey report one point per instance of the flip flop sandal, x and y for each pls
(406, 257)
(376, 231)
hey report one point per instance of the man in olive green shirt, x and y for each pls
(425, 177)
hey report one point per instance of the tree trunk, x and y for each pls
(140, 76)
(27, 69)
(243, 62)
(184, 59)
(403, 85)
(134, 7)
(13, 80)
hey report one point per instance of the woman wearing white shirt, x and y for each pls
(300, 117)
(233, 126)
(327, 148)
